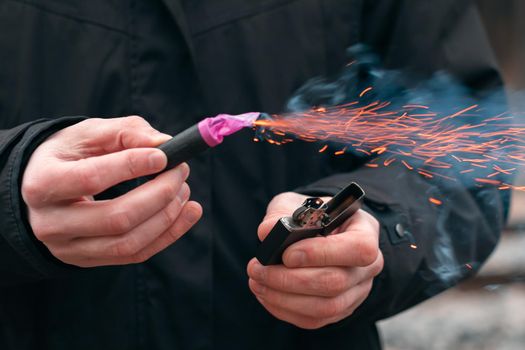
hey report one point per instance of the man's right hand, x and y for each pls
(78, 162)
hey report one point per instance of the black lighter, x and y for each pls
(312, 218)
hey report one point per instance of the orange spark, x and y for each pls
(379, 150)
(488, 181)
(338, 153)
(389, 161)
(425, 174)
(433, 144)
(323, 149)
(435, 201)
(416, 106)
(365, 91)
(407, 165)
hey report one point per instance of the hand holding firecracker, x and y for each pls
(322, 279)
(72, 166)
(83, 160)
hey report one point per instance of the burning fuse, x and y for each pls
(312, 218)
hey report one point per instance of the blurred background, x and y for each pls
(487, 312)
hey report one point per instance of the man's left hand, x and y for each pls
(322, 279)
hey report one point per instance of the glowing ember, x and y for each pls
(338, 153)
(413, 246)
(435, 201)
(434, 145)
(365, 91)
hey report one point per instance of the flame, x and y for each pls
(412, 134)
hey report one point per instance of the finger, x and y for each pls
(300, 321)
(280, 206)
(358, 245)
(325, 281)
(130, 243)
(331, 308)
(112, 217)
(189, 215)
(315, 281)
(101, 136)
(345, 249)
(93, 175)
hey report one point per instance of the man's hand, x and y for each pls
(78, 162)
(323, 279)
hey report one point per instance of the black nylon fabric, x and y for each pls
(175, 62)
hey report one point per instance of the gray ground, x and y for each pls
(483, 314)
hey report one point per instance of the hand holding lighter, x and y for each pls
(312, 218)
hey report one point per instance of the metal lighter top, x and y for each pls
(312, 218)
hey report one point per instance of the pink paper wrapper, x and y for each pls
(213, 130)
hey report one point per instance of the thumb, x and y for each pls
(280, 206)
(98, 136)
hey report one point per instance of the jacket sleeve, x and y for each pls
(22, 257)
(427, 248)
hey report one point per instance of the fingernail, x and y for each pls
(157, 160)
(258, 271)
(258, 288)
(160, 138)
(296, 258)
(192, 215)
(184, 170)
(183, 193)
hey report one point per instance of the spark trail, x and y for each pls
(462, 143)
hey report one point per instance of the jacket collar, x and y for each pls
(178, 14)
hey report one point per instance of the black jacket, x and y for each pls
(174, 62)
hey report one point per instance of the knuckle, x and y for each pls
(57, 253)
(174, 233)
(169, 191)
(313, 255)
(133, 164)
(378, 266)
(118, 222)
(42, 228)
(310, 323)
(61, 253)
(43, 232)
(89, 123)
(32, 191)
(136, 120)
(368, 250)
(124, 248)
(139, 257)
(329, 308)
(334, 282)
(169, 216)
(88, 176)
(283, 281)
